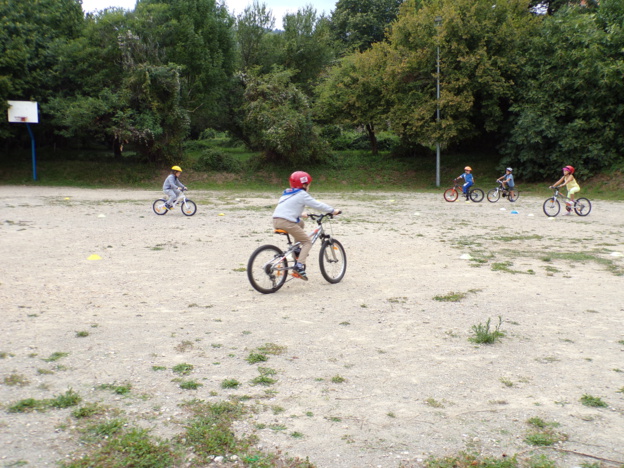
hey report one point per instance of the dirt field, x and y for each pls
(173, 289)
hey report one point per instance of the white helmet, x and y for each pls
(509, 169)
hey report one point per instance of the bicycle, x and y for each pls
(494, 195)
(552, 206)
(189, 208)
(452, 194)
(268, 266)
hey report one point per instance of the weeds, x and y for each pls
(183, 368)
(543, 433)
(450, 297)
(56, 356)
(69, 398)
(484, 335)
(594, 402)
(16, 379)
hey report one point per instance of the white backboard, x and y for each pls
(23, 112)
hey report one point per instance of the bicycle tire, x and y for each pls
(513, 195)
(450, 195)
(265, 273)
(189, 208)
(477, 195)
(332, 261)
(159, 207)
(551, 207)
(493, 195)
(582, 207)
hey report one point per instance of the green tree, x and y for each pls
(197, 36)
(356, 24)
(278, 119)
(308, 46)
(570, 99)
(353, 93)
(31, 34)
(480, 54)
(257, 39)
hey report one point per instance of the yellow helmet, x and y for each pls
(176, 168)
(467, 168)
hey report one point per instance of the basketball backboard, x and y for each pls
(23, 112)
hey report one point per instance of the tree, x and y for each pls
(197, 36)
(357, 24)
(278, 119)
(353, 92)
(254, 31)
(308, 46)
(570, 98)
(480, 54)
(31, 33)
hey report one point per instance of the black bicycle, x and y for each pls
(494, 195)
(268, 266)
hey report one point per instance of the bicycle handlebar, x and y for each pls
(319, 217)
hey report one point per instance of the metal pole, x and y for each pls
(34, 158)
(438, 22)
(438, 120)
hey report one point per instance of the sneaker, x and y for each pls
(299, 271)
(167, 206)
(567, 213)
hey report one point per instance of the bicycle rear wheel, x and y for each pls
(159, 207)
(266, 269)
(333, 261)
(493, 195)
(477, 195)
(450, 195)
(551, 207)
(189, 208)
(513, 195)
(582, 207)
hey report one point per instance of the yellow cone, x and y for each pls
(221, 214)
(94, 257)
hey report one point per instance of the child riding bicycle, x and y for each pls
(571, 184)
(173, 187)
(288, 213)
(507, 180)
(468, 180)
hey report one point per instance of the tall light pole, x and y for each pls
(438, 22)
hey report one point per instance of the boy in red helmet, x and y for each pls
(289, 211)
(571, 184)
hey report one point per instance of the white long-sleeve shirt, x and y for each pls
(292, 203)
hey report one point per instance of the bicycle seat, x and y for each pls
(280, 231)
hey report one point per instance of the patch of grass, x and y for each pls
(185, 346)
(88, 410)
(338, 379)
(263, 380)
(255, 358)
(272, 348)
(467, 460)
(56, 356)
(190, 385)
(434, 403)
(450, 297)
(123, 389)
(543, 433)
(230, 383)
(484, 335)
(592, 401)
(15, 379)
(82, 334)
(159, 368)
(296, 435)
(183, 368)
(69, 398)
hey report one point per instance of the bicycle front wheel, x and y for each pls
(513, 195)
(333, 261)
(159, 207)
(189, 208)
(582, 207)
(552, 207)
(476, 195)
(493, 195)
(450, 195)
(266, 269)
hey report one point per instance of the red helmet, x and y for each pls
(570, 169)
(298, 178)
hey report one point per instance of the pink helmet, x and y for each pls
(298, 178)
(570, 169)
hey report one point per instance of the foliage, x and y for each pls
(569, 107)
(278, 119)
(484, 335)
(213, 159)
(480, 53)
(256, 39)
(357, 24)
